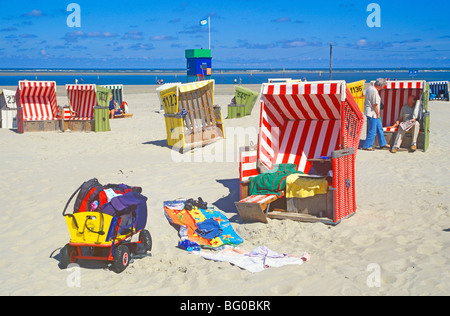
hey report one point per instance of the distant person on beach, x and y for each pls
(240, 81)
(407, 115)
(113, 108)
(235, 81)
(372, 110)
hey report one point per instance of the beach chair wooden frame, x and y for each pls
(37, 109)
(87, 104)
(394, 96)
(245, 102)
(192, 119)
(317, 126)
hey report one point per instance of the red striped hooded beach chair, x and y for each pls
(83, 99)
(37, 106)
(394, 96)
(316, 126)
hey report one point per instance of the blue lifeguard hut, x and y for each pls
(199, 64)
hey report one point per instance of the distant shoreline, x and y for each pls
(178, 72)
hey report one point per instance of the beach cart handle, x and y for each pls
(70, 200)
(101, 233)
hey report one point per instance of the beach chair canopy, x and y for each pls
(303, 121)
(165, 87)
(83, 99)
(117, 92)
(8, 99)
(189, 87)
(38, 100)
(439, 90)
(192, 119)
(395, 95)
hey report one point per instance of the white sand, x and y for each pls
(401, 225)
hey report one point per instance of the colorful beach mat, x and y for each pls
(177, 215)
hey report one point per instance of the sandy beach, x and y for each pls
(402, 226)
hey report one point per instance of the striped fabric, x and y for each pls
(82, 100)
(67, 114)
(395, 95)
(196, 85)
(38, 100)
(300, 101)
(117, 92)
(405, 85)
(261, 199)
(319, 138)
(300, 121)
(390, 129)
(248, 164)
(439, 90)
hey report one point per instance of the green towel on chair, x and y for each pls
(273, 181)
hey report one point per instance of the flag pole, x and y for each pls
(209, 24)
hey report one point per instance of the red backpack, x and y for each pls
(89, 192)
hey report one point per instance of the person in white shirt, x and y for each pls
(407, 114)
(372, 108)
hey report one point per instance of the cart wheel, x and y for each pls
(68, 254)
(146, 239)
(121, 259)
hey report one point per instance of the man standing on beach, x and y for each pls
(372, 107)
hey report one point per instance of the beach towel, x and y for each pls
(272, 182)
(189, 222)
(257, 260)
(304, 187)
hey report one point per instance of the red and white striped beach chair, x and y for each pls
(37, 106)
(301, 123)
(83, 98)
(394, 96)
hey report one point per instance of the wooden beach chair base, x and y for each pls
(236, 111)
(42, 126)
(315, 209)
(123, 116)
(79, 126)
(255, 208)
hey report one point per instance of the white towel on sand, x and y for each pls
(255, 261)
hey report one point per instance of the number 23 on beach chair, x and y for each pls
(315, 127)
(192, 119)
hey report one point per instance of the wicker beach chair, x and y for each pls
(316, 126)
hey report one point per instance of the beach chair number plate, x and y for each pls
(242, 96)
(170, 101)
(103, 97)
(10, 100)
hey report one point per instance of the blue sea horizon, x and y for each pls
(10, 77)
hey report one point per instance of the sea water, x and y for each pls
(10, 77)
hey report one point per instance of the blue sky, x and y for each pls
(245, 34)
